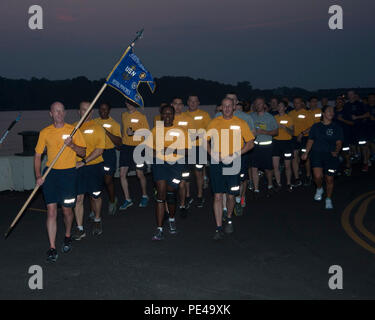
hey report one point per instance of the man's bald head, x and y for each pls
(56, 104)
(57, 113)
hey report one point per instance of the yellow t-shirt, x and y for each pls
(157, 118)
(287, 121)
(184, 120)
(95, 139)
(302, 121)
(316, 115)
(201, 118)
(226, 130)
(136, 121)
(163, 137)
(113, 127)
(53, 138)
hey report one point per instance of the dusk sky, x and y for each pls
(270, 43)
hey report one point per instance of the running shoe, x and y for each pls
(67, 245)
(238, 210)
(250, 186)
(78, 234)
(348, 172)
(112, 207)
(158, 235)
(329, 205)
(278, 187)
(297, 183)
(200, 202)
(144, 202)
(228, 229)
(52, 255)
(219, 234)
(307, 182)
(97, 228)
(189, 201)
(92, 215)
(127, 204)
(319, 194)
(183, 212)
(225, 214)
(172, 227)
(289, 187)
(243, 202)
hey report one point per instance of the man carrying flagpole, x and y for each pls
(124, 77)
(59, 187)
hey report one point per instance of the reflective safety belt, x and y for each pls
(265, 143)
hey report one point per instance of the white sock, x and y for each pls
(80, 228)
(270, 187)
(256, 190)
(160, 228)
(171, 219)
(97, 220)
(238, 199)
(319, 189)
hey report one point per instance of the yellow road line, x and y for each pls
(346, 222)
(358, 220)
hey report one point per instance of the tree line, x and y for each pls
(38, 94)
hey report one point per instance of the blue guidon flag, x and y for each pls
(126, 76)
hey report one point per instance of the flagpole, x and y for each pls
(3, 137)
(138, 36)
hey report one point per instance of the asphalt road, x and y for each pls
(282, 248)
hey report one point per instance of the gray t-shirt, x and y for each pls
(265, 122)
(244, 116)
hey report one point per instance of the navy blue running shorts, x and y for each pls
(60, 187)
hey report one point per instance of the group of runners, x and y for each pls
(291, 144)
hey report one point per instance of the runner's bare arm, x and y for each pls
(117, 141)
(80, 151)
(37, 166)
(95, 154)
(309, 144)
(248, 146)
